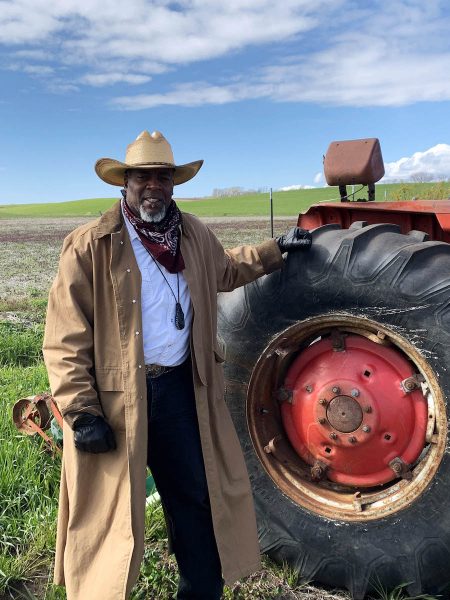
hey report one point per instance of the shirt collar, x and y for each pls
(131, 230)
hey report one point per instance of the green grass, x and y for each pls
(285, 203)
(28, 483)
(20, 343)
(29, 477)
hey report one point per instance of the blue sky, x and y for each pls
(256, 88)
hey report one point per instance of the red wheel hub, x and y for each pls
(349, 411)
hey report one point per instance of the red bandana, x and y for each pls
(161, 240)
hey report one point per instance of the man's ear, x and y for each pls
(125, 180)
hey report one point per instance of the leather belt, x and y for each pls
(156, 370)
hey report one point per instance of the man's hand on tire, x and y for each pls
(295, 239)
(93, 434)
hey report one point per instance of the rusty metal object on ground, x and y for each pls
(33, 415)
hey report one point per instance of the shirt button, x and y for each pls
(133, 301)
(140, 366)
(121, 242)
(128, 270)
(137, 332)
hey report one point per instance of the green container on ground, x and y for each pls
(150, 486)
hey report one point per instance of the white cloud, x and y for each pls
(288, 188)
(100, 79)
(95, 33)
(408, 62)
(318, 177)
(38, 69)
(33, 54)
(192, 94)
(431, 165)
(342, 53)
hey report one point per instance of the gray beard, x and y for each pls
(155, 218)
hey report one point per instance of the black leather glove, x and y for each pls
(294, 239)
(93, 434)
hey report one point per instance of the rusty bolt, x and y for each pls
(284, 395)
(396, 467)
(333, 435)
(352, 439)
(366, 428)
(322, 420)
(355, 393)
(336, 390)
(368, 409)
(308, 388)
(323, 401)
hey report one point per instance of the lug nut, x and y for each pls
(352, 439)
(308, 388)
(322, 420)
(333, 435)
(355, 393)
(366, 428)
(368, 409)
(323, 401)
(336, 390)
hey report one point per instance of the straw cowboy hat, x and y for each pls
(146, 152)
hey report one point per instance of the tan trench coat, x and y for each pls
(94, 355)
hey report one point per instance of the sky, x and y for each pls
(256, 88)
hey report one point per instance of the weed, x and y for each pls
(400, 592)
(20, 343)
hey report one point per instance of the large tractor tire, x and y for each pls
(337, 379)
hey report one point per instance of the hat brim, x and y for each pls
(113, 171)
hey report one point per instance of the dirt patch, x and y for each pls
(31, 247)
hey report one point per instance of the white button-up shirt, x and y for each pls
(164, 344)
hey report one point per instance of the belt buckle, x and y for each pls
(154, 370)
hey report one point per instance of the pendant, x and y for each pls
(179, 316)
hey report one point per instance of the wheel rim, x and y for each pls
(346, 417)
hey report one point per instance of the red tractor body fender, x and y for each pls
(429, 216)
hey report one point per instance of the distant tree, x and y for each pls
(421, 177)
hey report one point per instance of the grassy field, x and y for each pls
(29, 476)
(285, 203)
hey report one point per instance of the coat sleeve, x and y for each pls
(244, 264)
(68, 338)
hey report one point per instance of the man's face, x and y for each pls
(149, 192)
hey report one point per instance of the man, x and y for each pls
(135, 368)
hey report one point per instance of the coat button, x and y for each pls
(137, 332)
(121, 242)
(128, 270)
(134, 301)
(140, 366)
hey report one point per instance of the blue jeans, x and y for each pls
(174, 456)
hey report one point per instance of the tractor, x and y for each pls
(337, 376)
